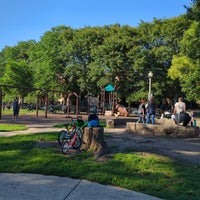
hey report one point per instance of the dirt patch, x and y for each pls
(186, 150)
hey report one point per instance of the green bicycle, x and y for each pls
(71, 137)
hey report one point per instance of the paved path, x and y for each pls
(31, 129)
(40, 187)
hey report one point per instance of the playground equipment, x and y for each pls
(40, 93)
(106, 103)
(122, 110)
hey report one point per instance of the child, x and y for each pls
(192, 118)
(141, 112)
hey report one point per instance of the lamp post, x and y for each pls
(150, 77)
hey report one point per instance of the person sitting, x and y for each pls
(184, 118)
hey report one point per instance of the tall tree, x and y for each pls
(18, 75)
(186, 66)
(87, 59)
(193, 11)
(48, 58)
(158, 42)
(79, 50)
(16, 69)
(111, 63)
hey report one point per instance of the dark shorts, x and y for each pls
(16, 112)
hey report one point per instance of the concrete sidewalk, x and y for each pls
(32, 129)
(40, 187)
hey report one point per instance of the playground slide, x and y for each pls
(122, 110)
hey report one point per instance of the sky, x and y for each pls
(23, 20)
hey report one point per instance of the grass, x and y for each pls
(21, 111)
(143, 172)
(12, 127)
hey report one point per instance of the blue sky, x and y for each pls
(23, 20)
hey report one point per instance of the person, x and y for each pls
(141, 112)
(184, 118)
(179, 107)
(192, 118)
(16, 108)
(64, 109)
(52, 109)
(151, 111)
(93, 120)
(166, 108)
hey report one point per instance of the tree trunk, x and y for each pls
(93, 139)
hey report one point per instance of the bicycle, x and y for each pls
(72, 136)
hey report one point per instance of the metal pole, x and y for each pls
(149, 87)
(150, 77)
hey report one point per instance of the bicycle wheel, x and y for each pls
(62, 136)
(66, 147)
(77, 143)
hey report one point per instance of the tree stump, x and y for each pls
(93, 139)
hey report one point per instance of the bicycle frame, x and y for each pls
(72, 138)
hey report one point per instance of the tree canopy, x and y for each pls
(85, 60)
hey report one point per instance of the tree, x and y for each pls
(111, 63)
(19, 75)
(78, 67)
(47, 58)
(193, 12)
(186, 66)
(157, 43)
(15, 68)
(87, 59)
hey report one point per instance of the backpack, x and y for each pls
(93, 120)
(184, 118)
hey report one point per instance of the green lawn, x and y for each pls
(143, 172)
(12, 127)
(21, 111)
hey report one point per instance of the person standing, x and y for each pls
(179, 107)
(16, 108)
(166, 108)
(192, 118)
(141, 112)
(151, 111)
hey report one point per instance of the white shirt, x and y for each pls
(179, 107)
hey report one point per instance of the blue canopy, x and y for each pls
(109, 88)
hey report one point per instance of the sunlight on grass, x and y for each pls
(12, 127)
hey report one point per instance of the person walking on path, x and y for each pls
(151, 111)
(16, 108)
